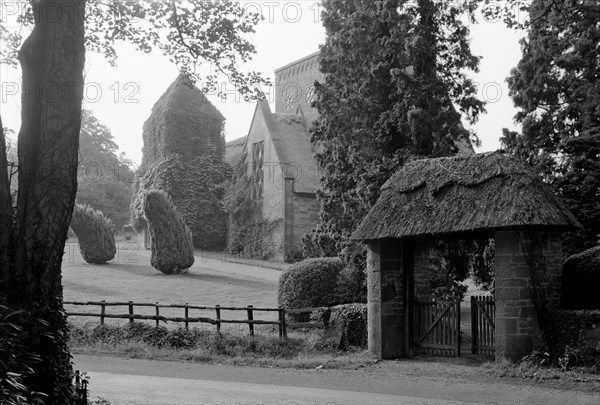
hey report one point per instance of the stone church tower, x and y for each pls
(295, 89)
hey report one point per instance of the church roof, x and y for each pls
(234, 150)
(290, 137)
(479, 192)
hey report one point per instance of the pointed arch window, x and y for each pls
(257, 169)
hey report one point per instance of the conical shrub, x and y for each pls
(96, 234)
(172, 250)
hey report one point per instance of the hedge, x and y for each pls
(310, 283)
(172, 251)
(581, 280)
(96, 234)
(573, 337)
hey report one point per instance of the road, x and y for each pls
(144, 382)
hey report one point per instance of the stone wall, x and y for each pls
(306, 216)
(387, 300)
(528, 270)
(273, 183)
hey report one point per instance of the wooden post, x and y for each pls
(283, 323)
(102, 312)
(187, 313)
(281, 314)
(250, 318)
(218, 323)
(474, 324)
(130, 311)
(157, 313)
(458, 328)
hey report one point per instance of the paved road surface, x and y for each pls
(129, 381)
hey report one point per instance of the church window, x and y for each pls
(289, 100)
(257, 169)
(310, 94)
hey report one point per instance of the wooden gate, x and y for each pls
(436, 328)
(483, 314)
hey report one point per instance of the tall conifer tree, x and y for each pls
(395, 88)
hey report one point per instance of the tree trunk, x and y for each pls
(52, 61)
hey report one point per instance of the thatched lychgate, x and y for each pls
(491, 194)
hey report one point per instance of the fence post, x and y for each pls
(130, 311)
(251, 318)
(102, 312)
(458, 336)
(187, 313)
(283, 323)
(157, 313)
(474, 327)
(281, 316)
(218, 323)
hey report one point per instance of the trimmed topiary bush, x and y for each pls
(310, 283)
(96, 234)
(581, 280)
(172, 251)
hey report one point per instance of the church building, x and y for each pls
(279, 156)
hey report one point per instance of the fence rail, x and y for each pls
(217, 321)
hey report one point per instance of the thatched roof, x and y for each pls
(485, 192)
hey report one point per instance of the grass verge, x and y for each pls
(139, 340)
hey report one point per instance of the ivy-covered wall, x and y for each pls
(183, 155)
(250, 233)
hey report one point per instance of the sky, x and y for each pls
(122, 97)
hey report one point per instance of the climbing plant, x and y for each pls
(249, 233)
(196, 188)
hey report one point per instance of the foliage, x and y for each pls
(556, 87)
(394, 70)
(354, 318)
(249, 233)
(188, 32)
(96, 234)
(16, 360)
(196, 188)
(172, 250)
(581, 280)
(352, 281)
(310, 283)
(104, 178)
(566, 342)
(223, 344)
(483, 263)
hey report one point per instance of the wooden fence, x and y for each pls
(250, 311)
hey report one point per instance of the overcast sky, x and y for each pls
(122, 97)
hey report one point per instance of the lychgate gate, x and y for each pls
(436, 328)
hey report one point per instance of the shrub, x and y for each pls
(96, 234)
(571, 337)
(354, 318)
(310, 283)
(172, 251)
(581, 280)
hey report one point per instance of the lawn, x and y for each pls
(130, 277)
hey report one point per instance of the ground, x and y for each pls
(134, 381)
